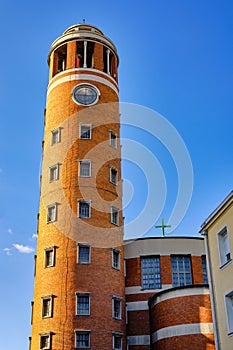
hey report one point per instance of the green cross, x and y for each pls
(163, 227)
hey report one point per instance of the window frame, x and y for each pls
(47, 335)
(148, 273)
(55, 140)
(82, 133)
(84, 201)
(84, 245)
(53, 218)
(225, 256)
(79, 295)
(111, 177)
(77, 331)
(49, 249)
(113, 211)
(114, 336)
(84, 161)
(52, 167)
(50, 298)
(116, 251)
(118, 300)
(179, 272)
(229, 311)
(113, 141)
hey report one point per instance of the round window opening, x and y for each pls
(85, 95)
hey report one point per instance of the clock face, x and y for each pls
(85, 95)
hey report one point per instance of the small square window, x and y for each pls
(117, 341)
(47, 306)
(54, 172)
(84, 168)
(56, 136)
(115, 216)
(113, 175)
(82, 339)
(85, 131)
(116, 259)
(45, 341)
(224, 247)
(84, 209)
(49, 257)
(52, 212)
(116, 307)
(83, 304)
(83, 254)
(112, 139)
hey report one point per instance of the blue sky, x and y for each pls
(175, 58)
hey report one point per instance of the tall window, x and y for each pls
(54, 172)
(84, 168)
(116, 259)
(150, 266)
(229, 311)
(45, 341)
(82, 339)
(204, 269)
(52, 212)
(83, 303)
(56, 136)
(181, 270)
(49, 257)
(84, 209)
(116, 341)
(47, 306)
(83, 254)
(112, 139)
(85, 131)
(116, 307)
(114, 215)
(224, 247)
(113, 175)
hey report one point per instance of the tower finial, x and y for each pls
(84, 21)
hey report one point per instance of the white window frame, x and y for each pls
(84, 245)
(83, 294)
(50, 249)
(50, 298)
(47, 335)
(81, 331)
(224, 246)
(84, 161)
(112, 168)
(118, 335)
(53, 217)
(56, 136)
(80, 131)
(229, 311)
(56, 168)
(116, 251)
(119, 301)
(114, 210)
(112, 141)
(87, 201)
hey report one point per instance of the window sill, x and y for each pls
(225, 264)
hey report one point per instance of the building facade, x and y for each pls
(218, 232)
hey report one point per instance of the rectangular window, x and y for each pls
(224, 247)
(114, 215)
(85, 131)
(83, 254)
(117, 341)
(113, 175)
(85, 168)
(150, 267)
(83, 303)
(84, 209)
(116, 307)
(52, 212)
(56, 136)
(49, 257)
(47, 306)
(82, 339)
(204, 269)
(54, 172)
(112, 139)
(45, 341)
(116, 259)
(181, 270)
(229, 311)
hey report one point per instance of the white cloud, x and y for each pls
(34, 236)
(23, 248)
(10, 231)
(7, 251)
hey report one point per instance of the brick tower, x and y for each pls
(79, 297)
